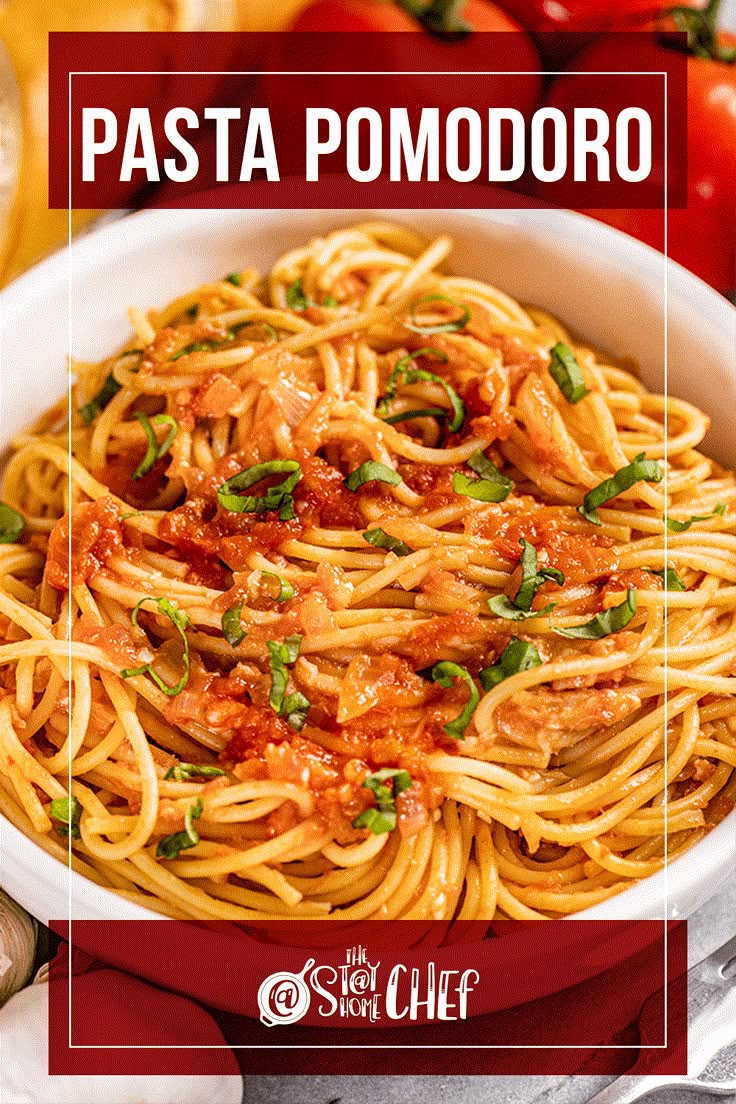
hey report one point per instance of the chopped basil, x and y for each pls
(293, 707)
(398, 371)
(95, 406)
(267, 328)
(12, 524)
(286, 590)
(232, 630)
(369, 472)
(278, 497)
(210, 345)
(196, 347)
(670, 578)
(381, 818)
(520, 607)
(182, 772)
(517, 656)
(603, 624)
(443, 673)
(330, 301)
(235, 279)
(682, 526)
(193, 311)
(380, 539)
(170, 846)
(155, 451)
(638, 471)
(403, 373)
(503, 606)
(440, 327)
(181, 621)
(493, 485)
(296, 300)
(130, 514)
(566, 373)
(408, 415)
(67, 810)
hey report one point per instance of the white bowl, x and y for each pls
(609, 288)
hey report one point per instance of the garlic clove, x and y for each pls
(18, 934)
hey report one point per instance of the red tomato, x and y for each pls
(582, 15)
(383, 15)
(320, 29)
(562, 29)
(702, 237)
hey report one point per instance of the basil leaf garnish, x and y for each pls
(520, 607)
(504, 607)
(286, 590)
(369, 472)
(232, 630)
(330, 301)
(380, 539)
(67, 810)
(639, 470)
(182, 772)
(294, 710)
(170, 846)
(493, 485)
(181, 621)
(209, 345)
(682, 526)
(441, 327)
(296, 300)
(12, 524)
(155, 451)
(517, 656)
(565, 371)
(294, 707)
(235, 279)
(276, 498)
(424, 412)
(443, 673)
(404, 373)
(95, 406)
(603, 624)
(381, 818)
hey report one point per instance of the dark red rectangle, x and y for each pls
(138, 79)
(398, 997)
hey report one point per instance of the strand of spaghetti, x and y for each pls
(247, 791)
(305, 839)
(79, 721)
(22, 758)
(357, 854)
(568, 669)
(146, 819)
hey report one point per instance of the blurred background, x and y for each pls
(702, 238)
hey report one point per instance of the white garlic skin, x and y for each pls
(18, 934)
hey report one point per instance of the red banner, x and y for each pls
(388, 997)
(340, 119)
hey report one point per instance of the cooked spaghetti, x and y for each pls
(366, 592)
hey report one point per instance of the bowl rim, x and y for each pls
(693, 876)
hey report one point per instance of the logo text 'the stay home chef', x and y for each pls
(353, 990)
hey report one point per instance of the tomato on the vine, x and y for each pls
(404, 15)
(701, 237)
(583, 15)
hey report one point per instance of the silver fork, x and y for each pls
(711, 1013)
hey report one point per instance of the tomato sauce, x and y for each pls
(95, 537)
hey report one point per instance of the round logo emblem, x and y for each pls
(283, 998)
